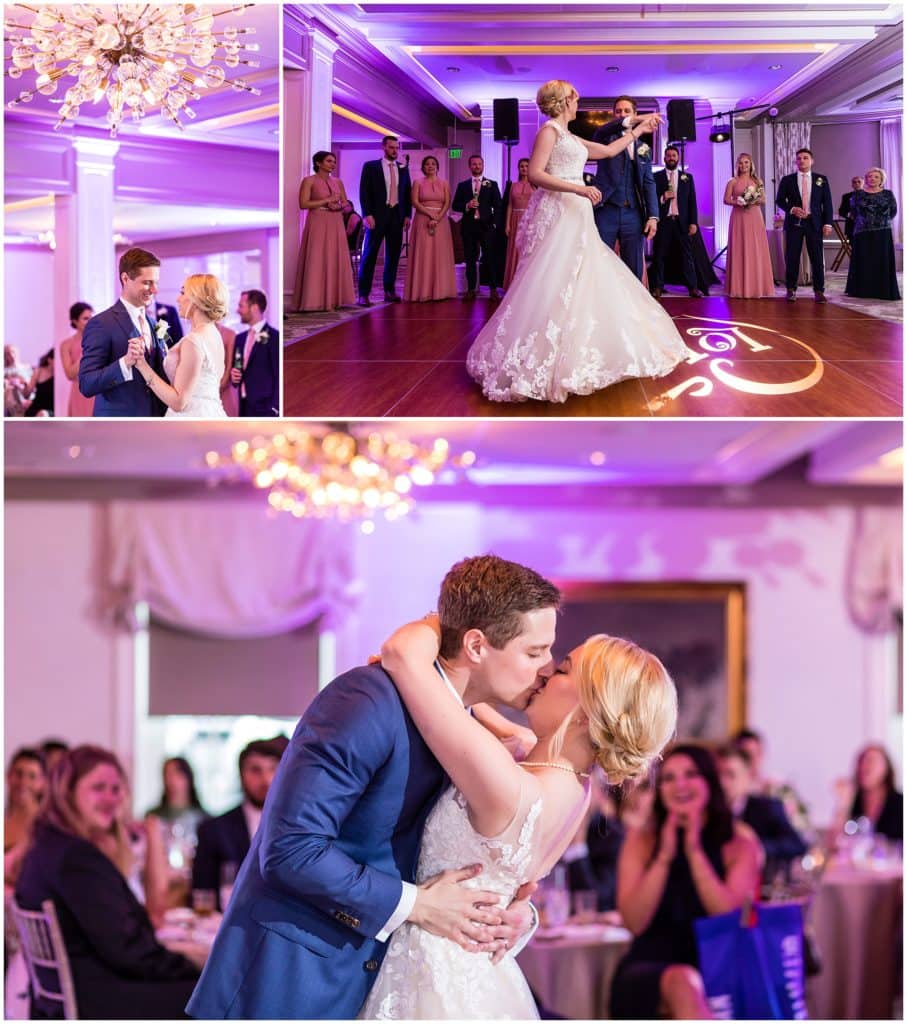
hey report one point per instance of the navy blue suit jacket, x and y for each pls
(766, 816)
(341, 828)
(610, 171)
(821, 207)
(261, 375)
(104, 343)
(686, 197)
(221, 840)
(490, 203)
(373, 191)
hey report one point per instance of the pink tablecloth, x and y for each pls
(570, 969)
(856, 918)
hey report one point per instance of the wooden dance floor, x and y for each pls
(751, 357)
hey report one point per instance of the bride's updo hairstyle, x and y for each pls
(552, 98)
(630, 701)
(208, 295)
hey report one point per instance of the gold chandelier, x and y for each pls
(328, 471)
(137, 56)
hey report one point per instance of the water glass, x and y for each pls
(585, 905)
(227, 878)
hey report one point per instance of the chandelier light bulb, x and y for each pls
(139, 56)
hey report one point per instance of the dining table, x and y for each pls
(570, 968)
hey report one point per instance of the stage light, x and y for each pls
(720, 132)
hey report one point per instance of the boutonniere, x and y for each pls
(485, 183)
(684, 177)
(819, 180)
(263, 338)
(162, 330)
(643, 149)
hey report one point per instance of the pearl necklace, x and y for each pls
(551, 764)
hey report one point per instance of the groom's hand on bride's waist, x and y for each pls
(445, 906)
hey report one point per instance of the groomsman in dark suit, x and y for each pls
(844, 210)
(227, 838)
(628, 212)
(384, 195)
(479, 200)
(806, 200)
(257, 350)
(678, 222)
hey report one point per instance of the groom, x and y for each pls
(628, 212)
(106, 369)
(330, 873)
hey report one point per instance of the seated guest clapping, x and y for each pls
(764, 814)
(874, 793)
(692, 860)
(430, 268)
(78, 858)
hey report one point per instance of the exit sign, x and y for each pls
(454, 153)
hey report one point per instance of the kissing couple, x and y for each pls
(389, 873)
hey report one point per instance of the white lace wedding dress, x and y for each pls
(204, 402)
(425, 977)
(575, 319)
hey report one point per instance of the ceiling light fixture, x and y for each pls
(775, 67)
(137, 56)
(328, 471)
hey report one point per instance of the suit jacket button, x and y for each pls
(371, 965)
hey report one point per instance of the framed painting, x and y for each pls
(698, 630)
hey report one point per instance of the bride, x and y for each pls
(609, 702)
(575, 319)
(195, 365)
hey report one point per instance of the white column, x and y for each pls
(721, 172)
(308, 95)
(96, 254)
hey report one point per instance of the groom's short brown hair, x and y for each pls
(491, 594)
(133, 260)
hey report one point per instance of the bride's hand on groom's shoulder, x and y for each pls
(414, 642)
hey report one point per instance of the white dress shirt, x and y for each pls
(253, 818)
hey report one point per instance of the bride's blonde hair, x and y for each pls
(208, 294)
(630, 702)
(552, 97)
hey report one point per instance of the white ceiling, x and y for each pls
(530, 455)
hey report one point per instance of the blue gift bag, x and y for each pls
(752, 965)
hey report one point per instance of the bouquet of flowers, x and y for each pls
(751, 194)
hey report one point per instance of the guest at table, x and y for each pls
(753, 744)
(845, 210)
(516, 199)
(70, 357)
(872, 272)
(324, 275)
(179, 803)
(226, 839)
(41, 387)
(875, 794)
(430, 273)
(52, 749)
(764, 814)
(16, 376)
(78, 858)
(749, 263)
(25, 784)
(691, 860)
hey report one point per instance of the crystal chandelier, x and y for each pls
(137, 56)
(328, 471)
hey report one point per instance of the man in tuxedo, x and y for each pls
(806, 200)
(765, 815)
(678, 222)
(628, 212)
(330, 875)
(479, 200)
(226, 839)
(384, 195)
(844, 210)
(258, 347)
(106, 370)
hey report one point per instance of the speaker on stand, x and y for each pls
(507, 125)
(681, 125)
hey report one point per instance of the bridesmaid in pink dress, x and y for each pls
(70, 357)
(520, 191)
(324, 277)
(749, 265)
(430, 271)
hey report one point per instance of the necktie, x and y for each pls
(142, 324)
(804, 191)
(248, 348)
(673, 212)
(392, 195)
(476, 185)
(631, 149)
